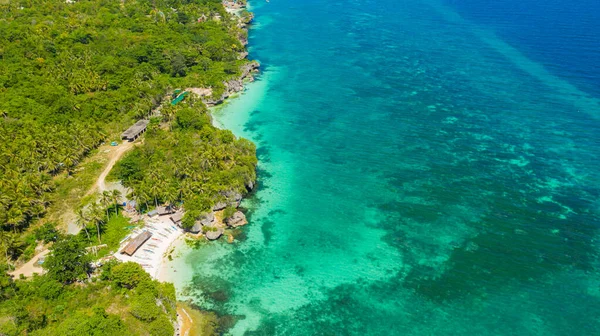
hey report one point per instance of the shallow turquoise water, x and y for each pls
(419, 175)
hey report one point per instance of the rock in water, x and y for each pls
(212, 235)
(238, 219)
(207, 219)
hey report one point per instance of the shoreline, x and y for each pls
(163, 268)
(234, 88)
(152, 253)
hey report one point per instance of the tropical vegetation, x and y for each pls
(190, 162)
(72, 299)
(73, 73)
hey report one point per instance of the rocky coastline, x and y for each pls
(248, 70)
(232, 86)
(212, 225)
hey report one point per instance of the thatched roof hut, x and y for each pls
(134, 131)
(177, 217)
(136, 243)
(165, 210)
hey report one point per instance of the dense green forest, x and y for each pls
(72, 74)
(191, 162)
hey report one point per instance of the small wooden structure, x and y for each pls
(177, 217)
(165, 210)
(135, 131)
(136, 243)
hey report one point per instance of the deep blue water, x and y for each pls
(426, 168)
(563, 36)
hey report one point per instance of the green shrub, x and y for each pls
(128, 275)
(50, 289)
(47, 233)
(143, 307)
(161, 327)
(228, 212)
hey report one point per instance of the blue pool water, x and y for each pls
(426, 168)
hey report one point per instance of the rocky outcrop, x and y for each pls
(205, 220)
(214, 234)
(219, 206)
(238, 219)
(211, 230)
(196, 228)
(231, 198)
(234, 85)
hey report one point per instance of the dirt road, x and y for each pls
(30, 267)
(113, 157)
(100, 184)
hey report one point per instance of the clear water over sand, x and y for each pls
(420, 174)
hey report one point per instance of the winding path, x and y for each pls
(100, 184)
(113, 157)
(31, 266)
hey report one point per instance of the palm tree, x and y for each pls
(170, 195)
(116, 196)
(11, 245)
(70, 160)
(95, 214)
(155, 190)
(106, 200)
(82, 221)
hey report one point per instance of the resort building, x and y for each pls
(177, 217)
(136, 243)
(165, 210)
(135, 131)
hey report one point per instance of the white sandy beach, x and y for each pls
(152, 253)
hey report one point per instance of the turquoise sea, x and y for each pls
(427, 167)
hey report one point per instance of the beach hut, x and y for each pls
(136, 243)
(177, 217)
(135, 131)
(165, 210)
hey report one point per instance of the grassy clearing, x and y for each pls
(117, 228)
(70, 190)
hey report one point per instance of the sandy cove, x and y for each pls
(152, 253)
